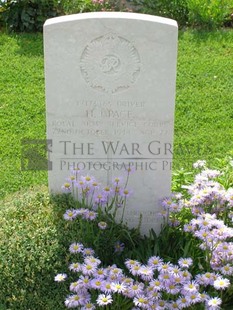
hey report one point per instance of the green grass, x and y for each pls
(22, 106)
(204, 107)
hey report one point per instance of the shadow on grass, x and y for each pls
(28, 44)
(201, 35)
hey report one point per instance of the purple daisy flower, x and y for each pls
(70, 214)
(119, 247)
(76, 247)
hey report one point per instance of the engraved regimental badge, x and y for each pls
(110, 64)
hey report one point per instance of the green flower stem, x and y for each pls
(123, 212)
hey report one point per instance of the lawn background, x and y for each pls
(204, 107)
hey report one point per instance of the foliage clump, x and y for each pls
(32, 245)
(195, 13)
(28, 15)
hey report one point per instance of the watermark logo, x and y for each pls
(35, 154)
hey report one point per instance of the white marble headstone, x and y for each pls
(110, 93)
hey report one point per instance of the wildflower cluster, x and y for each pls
(211, 208)
(155, 285)
(108, 5)
(98, 211)
(91, 194)
(214, 236)
(204, 212)
(101, 5)
(205, 195)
